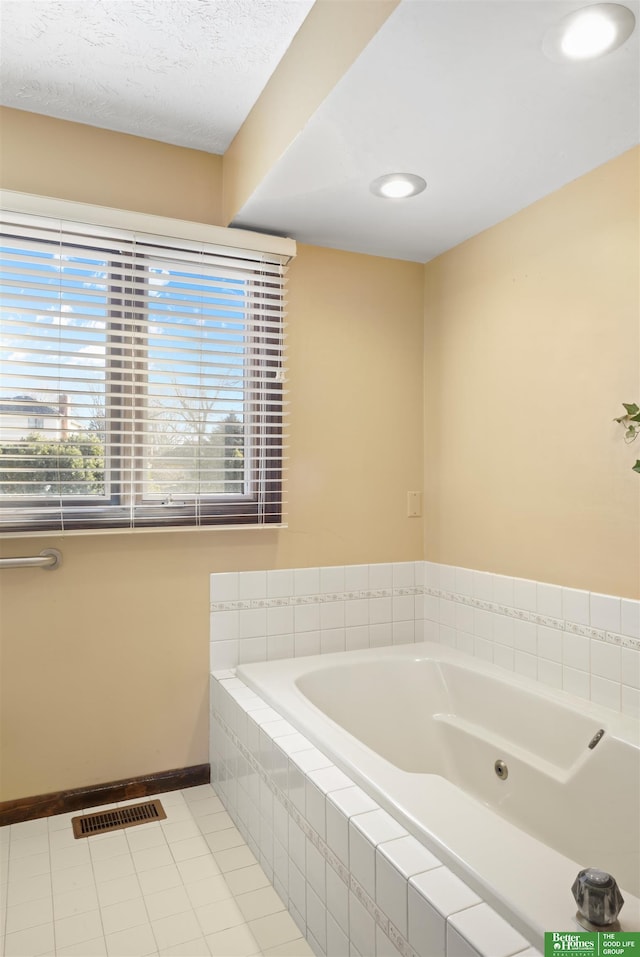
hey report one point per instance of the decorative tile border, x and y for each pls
(314, 599)
(521, 614)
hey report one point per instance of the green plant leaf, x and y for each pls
(635, 418)
(636, 467)
(623, 418)
(631, 407)
(630, 434)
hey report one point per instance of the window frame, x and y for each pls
(262, 504)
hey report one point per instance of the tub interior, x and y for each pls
(428, 717)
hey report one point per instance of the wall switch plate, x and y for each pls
(414, 504)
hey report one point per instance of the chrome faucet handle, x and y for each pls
(598, 897)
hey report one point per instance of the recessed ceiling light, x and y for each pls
(590, 32)
(397, 185)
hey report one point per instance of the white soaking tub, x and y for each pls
(420, 727)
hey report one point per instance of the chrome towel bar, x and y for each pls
(48, 559)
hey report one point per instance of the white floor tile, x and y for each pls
(121, 889)
(137, 940)
(29, 914)
(246, 879)
(209, 890)
(192, 948)
(192, 847)
(29, 889)
(31, 942)
(259, 903)
(76, 901)
(219, 916)
(123, 915)
(88, 948)
(76, 929)
(159, 879)
(176, 929)
(174, 900)
(274, 929)
(234, 942)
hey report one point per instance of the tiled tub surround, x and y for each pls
(356, 883)
(578, 641)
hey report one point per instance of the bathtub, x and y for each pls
(420, 728)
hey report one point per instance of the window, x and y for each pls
(35, 422)
(160, 362)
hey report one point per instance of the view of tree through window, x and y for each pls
(133, 376)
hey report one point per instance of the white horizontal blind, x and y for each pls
(141, 380)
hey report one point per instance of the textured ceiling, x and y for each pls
(181, 71)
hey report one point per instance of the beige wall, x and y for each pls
(105, 661)
(532, 342)
(39, 154)
(332, 36)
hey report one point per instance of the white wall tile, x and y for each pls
(605, 692)
(447, 578)
(380, 611)
(446, 612)
(316, 919)
(605, 612)
(503, 630)
(403, 574)
(306, 643)
(332, 640)
(403, 609)
(356, 612)
(252, 649)
(337, 940)
(252, 585)
(605, 660)
(380, 635)
(525, 594)
(316, 867)
(503, 590)
(575, 605)
(576, 682)
(483, 623)
(576, 651)
(464, 617)
(432, 898)
(630, 667)
(463, 580)
(280, 646)
(483, 649)
(332, 614)
(525, 664)
(525, 637)
(380, 576)
(280, 620)
(306, 581)
(337, 900)
(630, 618)
(483, 586)
(224, 625)
(356, 638)
(549, 643)
(549, 600)
(316, 808)
(252, 623)
(332, 579)
(550, 673)
(306, 618)
(396, 862)
(631, 701)
(431, 607)
(356, 577)
(223, 586)
(224, 654)
(503, 657)
(362, 929)
(280, 583)
(402, 632)
(298, 890)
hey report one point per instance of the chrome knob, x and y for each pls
(598, 897)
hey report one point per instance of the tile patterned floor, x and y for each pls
(188, 887)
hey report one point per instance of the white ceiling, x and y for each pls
(457, 91)
(180, 71)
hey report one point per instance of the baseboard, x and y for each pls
(62, 802)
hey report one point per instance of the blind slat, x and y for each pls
(143, 380)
